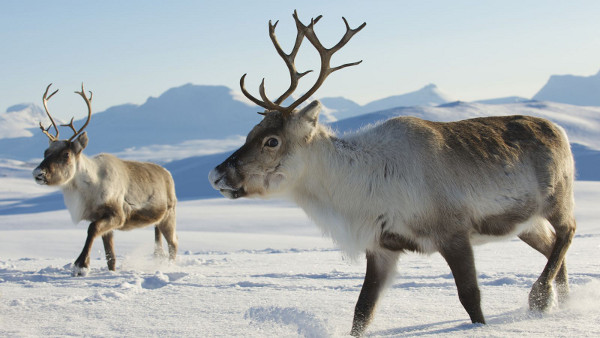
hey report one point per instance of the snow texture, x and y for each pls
(261, 269)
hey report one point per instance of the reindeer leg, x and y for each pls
(542, 239)
(112, 219)
(82, 263)
(380, 267)
(109, 250)
(167, 228)
(158, 250)
(540, 296)
(458, 253)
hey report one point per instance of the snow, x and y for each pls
(259, 268)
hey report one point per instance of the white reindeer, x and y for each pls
(412, 185)
(111, 193)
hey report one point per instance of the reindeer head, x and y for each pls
(270, 160)
(60, 159)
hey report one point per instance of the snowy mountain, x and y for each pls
(180, 114)
(503, 100)
(19, 119)
(581, 123)
(429, 95)
(571, 89)
(341, 107)
(190, 169)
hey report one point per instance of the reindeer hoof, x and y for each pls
(80, 271)
(541, 297)
(357, 330)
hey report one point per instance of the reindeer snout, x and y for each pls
(216, 179)
(39, 175)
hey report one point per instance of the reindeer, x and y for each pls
(410, 185)
(111, 193)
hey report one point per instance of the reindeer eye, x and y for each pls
(66, 155)
(272, 142)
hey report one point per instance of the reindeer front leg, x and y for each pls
(104, 227)
(82, 263)
(458, 253)
(380, 267)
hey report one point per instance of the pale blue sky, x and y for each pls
(126, 51)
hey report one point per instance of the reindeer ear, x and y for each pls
(81, 142)
(311, 112)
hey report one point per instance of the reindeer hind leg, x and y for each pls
(158, 249)
(540, 297)
(542, 239)
(167, 228)
(109, 250)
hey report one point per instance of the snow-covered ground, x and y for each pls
(261, 268)
(258, 268)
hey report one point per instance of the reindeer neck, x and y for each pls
(85, 173)
(332, 167)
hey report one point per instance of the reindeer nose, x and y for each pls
(39, 175)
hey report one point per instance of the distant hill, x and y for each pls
(341, 107)
(571, 89)
(19, 119)
(180, 114)
(193, 112)
(188, 112)
(429, 95)
(581, 123)
(503, 100)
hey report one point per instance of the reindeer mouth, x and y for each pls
(219, 182)
(41, 180)
(233, 193)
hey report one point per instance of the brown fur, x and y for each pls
(413, 185)
(112, 194)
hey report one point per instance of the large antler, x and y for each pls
(89, 106)
(325, 54)
(70, 125)
(45, 99)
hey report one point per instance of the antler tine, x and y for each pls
(89, 106)
(289, 59)
(347, 36)
(249, 96)
(45, 99)
(325, 54)
(70, 125)
(268, 103)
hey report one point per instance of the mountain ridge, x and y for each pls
(571, 89)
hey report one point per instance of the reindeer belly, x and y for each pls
(143, 217)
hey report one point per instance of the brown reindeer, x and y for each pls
(411, 185)
(111, 193)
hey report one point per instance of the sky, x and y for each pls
(127, 51)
